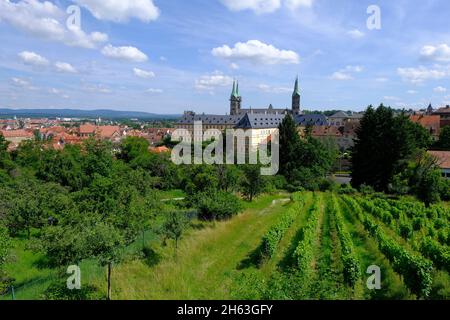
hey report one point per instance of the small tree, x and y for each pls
(444, 139)
(174, 226)
(253, 182)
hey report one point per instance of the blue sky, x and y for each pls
(167, 56)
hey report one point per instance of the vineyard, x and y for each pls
(339, 237)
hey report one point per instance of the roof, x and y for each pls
(426, 120)
(322, 131)
(340, 114)
(161, 149)
(16, 133)
(443, 158)
(108, 131)
(210, 119)
(445, 110)
(87, 129)
(311, 119)
(260, 121)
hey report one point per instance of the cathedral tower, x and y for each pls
(296, 99)
(235, 100)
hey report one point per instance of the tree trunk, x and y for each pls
(109, 280)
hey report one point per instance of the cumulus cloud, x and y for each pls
(273, 89)
(97, 88)
(124, 53)
(46, 20)
(346, 73)
(153, 90)
(143, 74)
(421, 73)
(121, 10)
(256, 52)
(356, 34)
(32, 58)
(265, 6)
(22, 83)
(65, 67)
(258, 6)
(440, 89)
(212, 81)
(439, 53)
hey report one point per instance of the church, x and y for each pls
(258, 124)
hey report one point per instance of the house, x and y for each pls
(112, 133)
(87, 130)
(339, 119)
(430, 122)
(443, 161)
(161, 149)
(444, 113)
(15, 137)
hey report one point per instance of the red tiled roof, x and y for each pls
(160, 149)
(87, 129)
(16, 134)
(443, 158)
(443, 110)
(108, 131)
(426, 120)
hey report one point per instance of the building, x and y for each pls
(430, 122)
(15, 137)
(444, 113)
(340, 118)
(443, 161)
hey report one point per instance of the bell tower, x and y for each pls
(235, 100)
(296, 99)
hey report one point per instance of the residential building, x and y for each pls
(443, 161)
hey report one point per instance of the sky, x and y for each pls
(168, 56)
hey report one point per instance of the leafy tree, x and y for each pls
(444, 139)
(216, 205)
(132, 148)
(384, 143)
(174, 226)
(253, 182)
(5, 160)
(289, 145)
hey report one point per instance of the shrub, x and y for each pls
(217, 205)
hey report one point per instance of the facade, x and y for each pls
(258, 124)
(444, 113)
(443, 161)
(15, 137)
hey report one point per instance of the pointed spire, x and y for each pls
(234, 93)
(296, 88)
(237, 88)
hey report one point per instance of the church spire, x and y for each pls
(296, 98)
(235, 92)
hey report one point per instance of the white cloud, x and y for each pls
(20, 82)
(257, 52)
(212, 81)
(412, 91)
(381, 79)
(124, 53)
(65, 67)
(341, 76)
(121, 10)
(356, 34)
(440, 89)
(294, 4)
(346, 73)
(46, 20)
(258, 6)
(54, 91)
(32, 58)
(272, 89)
(421, 74)
(153, 90)
(143, 74)
(97, 88)
(391, 98)
(234, 66)
(439, 53)
(265, 6)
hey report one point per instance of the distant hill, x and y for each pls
(71, 113)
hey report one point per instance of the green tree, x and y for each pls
(252, 183)
(132, 148)
(5, 245)
(174, 226)
(383, 144)
(289, 145)
(444, 139)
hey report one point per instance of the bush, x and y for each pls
(58, 291)
(217, 205)
(366, 190)
(347, 189)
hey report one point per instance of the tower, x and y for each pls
(235, 100)
(296, 99)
